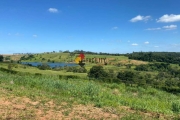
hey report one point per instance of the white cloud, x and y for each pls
(35, 36)
(53, 10)
(154, 28)
(146, 42)
(134, 44)
(140, 18)
(170, 27)
(115, 28)
(169, 18)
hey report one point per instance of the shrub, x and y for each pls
(71, 77)
(128, 77)
(38, 74)
(68, 77)
(10, 66)
(8, 70)
(44, 67)
(1, 58)
(97, 72)
(176, 106)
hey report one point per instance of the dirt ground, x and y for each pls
(20, 108)
(17, 108)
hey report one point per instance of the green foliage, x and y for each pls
(161, 80)
(38, 74)
(169, 57)
(44, 66)
(91, 92)
(153, 67)
(128, 77)
(1, 58)
(49, 60)
(7, 58)
(30, 56)
(66, 77)
(97, 72)
(132, 117)
(8, 70)
(76, 69)
(128, 66)
(176, 106)
(10, 66)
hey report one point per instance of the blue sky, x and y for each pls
(113, 26)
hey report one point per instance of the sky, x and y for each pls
(112, 26)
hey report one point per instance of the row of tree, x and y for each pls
(169, 57)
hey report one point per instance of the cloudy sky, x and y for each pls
(113, 26)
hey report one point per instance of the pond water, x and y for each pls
(52, 65)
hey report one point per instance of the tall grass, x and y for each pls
(91, 92)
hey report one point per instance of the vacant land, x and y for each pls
(31, 93)
(30, 97)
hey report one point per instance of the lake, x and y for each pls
(52, 65)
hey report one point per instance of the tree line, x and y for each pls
(168, 57)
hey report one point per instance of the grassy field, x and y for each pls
(34, 70)
(49, 97)
(46, 96)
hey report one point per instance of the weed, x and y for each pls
(176, 106)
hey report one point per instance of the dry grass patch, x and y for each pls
(134, 62)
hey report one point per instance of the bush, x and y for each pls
(38, 74)
(68, 77)
(8, 70)
(97, 72)
(71, 77)
(128, 77)
(44, 67)
(1, 58)
(10, 66)
(176, 106)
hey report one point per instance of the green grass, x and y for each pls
(83, 91)
(33, 70)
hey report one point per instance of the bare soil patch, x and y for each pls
(23, 108)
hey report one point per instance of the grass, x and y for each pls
(33, 70)
(81, 91)
(106, 96)
(66, 57)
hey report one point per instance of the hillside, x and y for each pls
(47, 97)
(121, 89)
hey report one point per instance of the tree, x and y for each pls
(44, 66)
(8, 58)
(97, 72)
(1, 58)
(127, 77)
